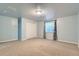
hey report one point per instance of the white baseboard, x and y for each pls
(68, 42)
(8, 40)
(29, 38)
(23, 39)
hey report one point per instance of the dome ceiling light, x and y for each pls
(39, 11)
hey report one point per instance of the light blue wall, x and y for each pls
(67, 29)
(8, 29)
(19, 28)
(23, 28)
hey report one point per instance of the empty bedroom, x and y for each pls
(39, 29)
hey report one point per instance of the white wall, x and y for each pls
(8, 29)
(78, 30)
(40, 29)
(67, 29)
(29, 28)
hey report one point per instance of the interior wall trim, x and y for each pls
(68, 42)
(8, 40)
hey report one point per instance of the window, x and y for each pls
(49, 26)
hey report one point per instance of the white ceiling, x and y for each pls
(52, 10)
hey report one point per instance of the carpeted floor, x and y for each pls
(38, 47)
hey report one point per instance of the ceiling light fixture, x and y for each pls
(39, 11)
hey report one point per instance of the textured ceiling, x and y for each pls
(52, 10)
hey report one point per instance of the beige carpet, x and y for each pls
(38, 47)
